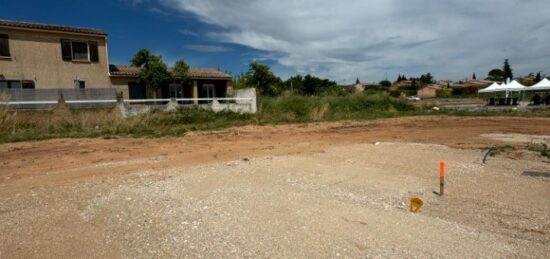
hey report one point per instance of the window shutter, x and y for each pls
(94, 52)
(4, 45)
(66, 53)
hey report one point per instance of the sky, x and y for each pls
(341, 40)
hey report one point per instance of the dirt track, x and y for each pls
(316, 190)
(30, 165)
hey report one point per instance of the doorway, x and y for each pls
(208, 91)
(136, 91)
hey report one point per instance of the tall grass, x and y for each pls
(67, 123)
(296, 108)
(18, 127)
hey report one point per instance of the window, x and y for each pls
(4, 45)
(10, 84)
(79, 50)
(27, 84)
(94, 55)
(79, 84)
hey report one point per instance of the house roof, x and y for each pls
(433, 86)
(50, 27)
(194, 73)
(478, 82)
(124, 70)
(208, 73)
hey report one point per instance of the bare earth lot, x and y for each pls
(308, 191)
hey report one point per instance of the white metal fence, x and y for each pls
(34, 99)
(40, 99)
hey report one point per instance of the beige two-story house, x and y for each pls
(41, 56)
(34, 55)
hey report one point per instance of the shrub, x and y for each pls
(443, 93)
(541, 148)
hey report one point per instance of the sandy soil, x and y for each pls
(315, 190)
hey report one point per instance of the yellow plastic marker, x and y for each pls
(416, 204)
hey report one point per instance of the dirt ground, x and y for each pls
(336, 189)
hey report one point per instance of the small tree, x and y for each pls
(385, 83)
(507, 70)
(153, 70)
(538, 78)
(426, 79)
(474, 76)
(260, 76)
(239, 81)
(295, 84)
(181, 72)
(357, 81)
(496, 75)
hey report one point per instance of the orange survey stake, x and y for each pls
(441, 177)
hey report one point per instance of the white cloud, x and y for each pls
(188, 33)
(208, 48)
(358, 38)
(159, 11)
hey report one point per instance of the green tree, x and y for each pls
(399, 78)
(474, 76)
(240, 81)
(538, 78)
(507, 70)
(153, 70)
(180, 73)
(317, 86)
(426, 79)
(496, 75)
(414, 85)
(261, 77)
(357, 81)
(295, 84)
(385, 83)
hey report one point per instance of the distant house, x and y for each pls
(361, 87)
(354, 89)
(429, 91)
(36, 55)
(469, 87)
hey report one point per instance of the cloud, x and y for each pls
(208, 48)
(188, 33)
(357, 38)
(159, 11)
(137, 2)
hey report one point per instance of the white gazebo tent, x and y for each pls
(508, 88)
(490, 89)
(514, 86)
(494, 88)
(543, 85)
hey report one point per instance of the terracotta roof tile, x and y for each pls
(50, 27)
(194, 73)
(124, 70)
(207, 73)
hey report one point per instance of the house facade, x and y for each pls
(41, 56)
(36, 55)
(205, 83)
(429, 91)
